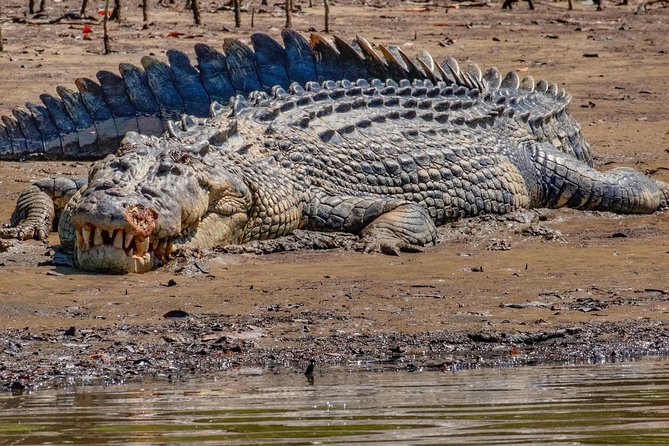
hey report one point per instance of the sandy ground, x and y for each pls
(535, 286)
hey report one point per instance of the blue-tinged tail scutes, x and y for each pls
(90, 122)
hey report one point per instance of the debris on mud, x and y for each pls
(5, 245)
(214, 343)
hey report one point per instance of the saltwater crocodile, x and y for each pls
(389, 160)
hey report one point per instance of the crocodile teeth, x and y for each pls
(142, 246)
(118, 240)
(97, 238)
(154, 244)
(86, 234)
(129, 236)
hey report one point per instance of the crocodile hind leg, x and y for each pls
(384, 224)
(38, 206)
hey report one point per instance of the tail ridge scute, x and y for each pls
(33, 137)
(188, 84)
(300, 60)
(86, 130)
(328, 60)
(161, 82)
(50, 135)
(143, 100)
(351, 59)
(241, 66)
(213, 68)
(270, 59)
(376, 66)
(93, 99)
(115, 96)
(14, 135)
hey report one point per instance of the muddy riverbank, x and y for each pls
(531, 287)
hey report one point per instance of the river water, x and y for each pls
(613, 403)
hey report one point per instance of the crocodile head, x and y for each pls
(152, 196)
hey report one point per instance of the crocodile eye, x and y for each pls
(121, 164)
(165, 166)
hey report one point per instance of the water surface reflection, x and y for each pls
(624, 403)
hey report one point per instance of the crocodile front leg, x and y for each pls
(37, 207)
(384, 224)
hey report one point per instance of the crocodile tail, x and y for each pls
(89, 123)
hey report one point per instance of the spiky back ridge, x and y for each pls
(336, 109)
(89, 123)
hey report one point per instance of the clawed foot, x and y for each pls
(385, 242)
(24, 232)
(407, 228)
(32, 217)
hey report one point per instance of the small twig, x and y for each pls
(116, 12)
(288, 14)
(195, 4)
(2, 45)
(105, 33)
(238, 19)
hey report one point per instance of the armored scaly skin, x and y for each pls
(388, 160)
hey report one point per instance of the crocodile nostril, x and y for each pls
(107, 184)
(116, 192)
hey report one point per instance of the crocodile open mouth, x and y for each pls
(118, 250)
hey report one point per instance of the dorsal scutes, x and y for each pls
(270, 61)
(453, 67)
(415, 71)
(300, 58)
(492, 78)
(241, 66)
(352, 61)
(376, 66)
(511, 81)
(328, 59)
(527, 84)
(475, 76)
(431, 70)
(396, 67)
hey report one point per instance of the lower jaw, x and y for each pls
(113, 261)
